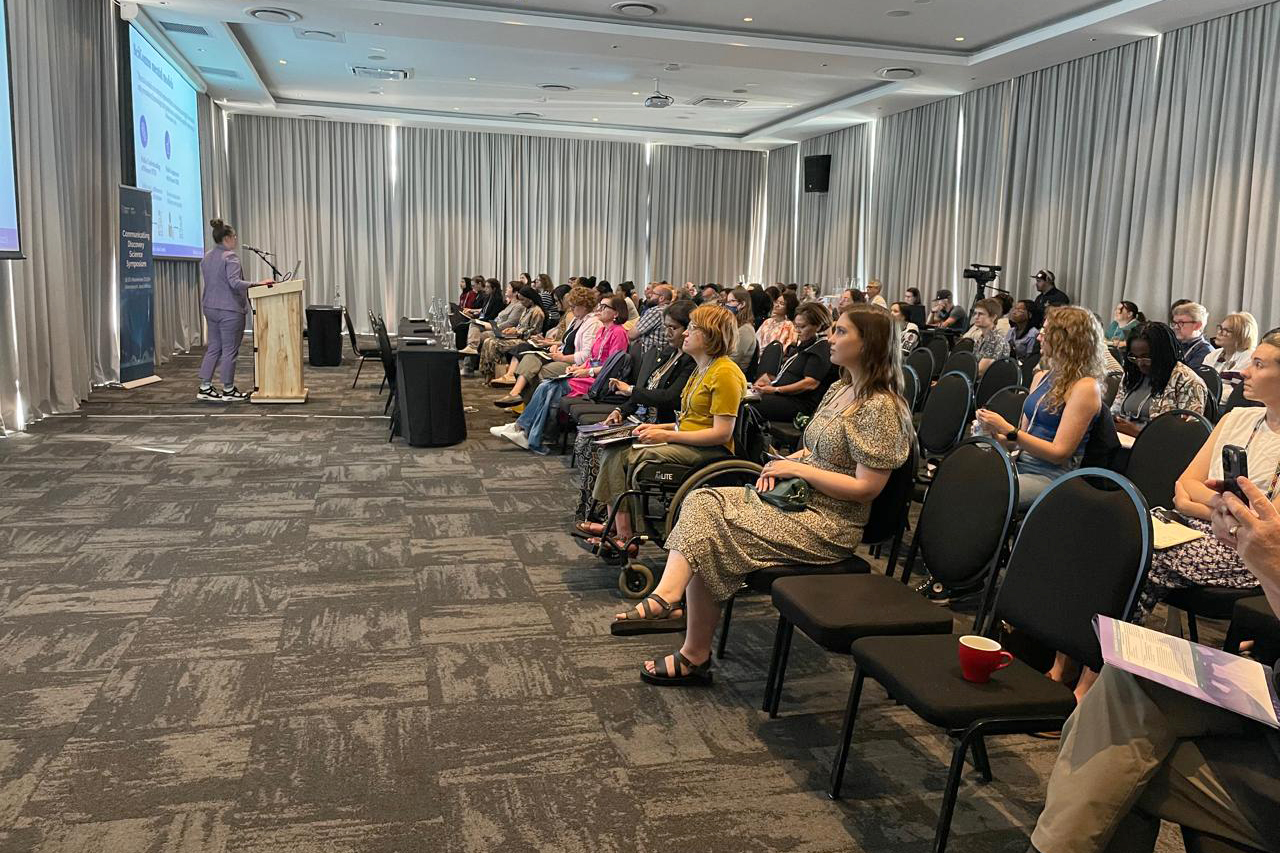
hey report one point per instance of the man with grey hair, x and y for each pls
(1189, 320)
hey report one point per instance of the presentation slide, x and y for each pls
(10, 246)
(166, 150)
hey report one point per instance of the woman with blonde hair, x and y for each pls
(1236, 337)
(859, 435)
(1062, 405)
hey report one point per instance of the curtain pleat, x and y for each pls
(779, 253)
(830, 223)
(911, 228)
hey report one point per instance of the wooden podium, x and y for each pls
(277, 343)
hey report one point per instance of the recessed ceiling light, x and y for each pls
(739, 91)
(528, 115)
(633, 9)
(736, 44)
(748, 20)
(377, 57)
(275, 16)
(377, 23)
(897, 13)
(896, 73)
(635, 93)
(555, 87)
(959, 38)
(472, 79)
(284, 62)
(456, 109)
(595, 119)
(514, 23)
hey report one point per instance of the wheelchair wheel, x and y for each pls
(727, 472)
(636, 580)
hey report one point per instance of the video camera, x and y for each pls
(982, 273)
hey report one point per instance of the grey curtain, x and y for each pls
(704, 209)
(984, 136)
(59, 332)
(781, 188)
(910, 238)
(176, 317)
(1208, 196)
(314, 191)
(829, 228)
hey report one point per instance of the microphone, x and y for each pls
(259, 251)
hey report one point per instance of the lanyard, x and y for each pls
(1274, 477)
(799, 352)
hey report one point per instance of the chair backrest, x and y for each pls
(1083, 549)
(1007, 402)
(351, 331)
(922, 361)
(946, 413)
(888, 515)
(387, 354)
(941, 349)
(1212, 381)
(1001, 374)
(636, 352)
(910, 386)
(1111, 387)
(753, 366)
(964, 361)
(963, 345)
(967, 511)
(1115, 353)
(750, 435)
(1162, 451)
(1029, 366)
(1102, 444)
(771, 359)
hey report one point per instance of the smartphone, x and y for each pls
(1235, 464)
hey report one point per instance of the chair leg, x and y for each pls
(773, 663)
(383, 384)
(910, 562)
(784, 653)
(724, 627)
(846, 733)
(1193, 630)
(359, 367)
(894, 550)
(980, 759)
(952, 790)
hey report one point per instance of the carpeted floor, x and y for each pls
(268, 629)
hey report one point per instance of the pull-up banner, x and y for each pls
(137, 281)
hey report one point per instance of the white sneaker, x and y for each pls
(468, 351)
(518, 438)
(502, 430)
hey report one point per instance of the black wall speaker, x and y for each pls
(817, 173)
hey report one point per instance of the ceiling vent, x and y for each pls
(897, 73)
(320, 35)
(396, 75)
(555, 87)
(717, 103)
(528, 115)
(185, 29)
(274, 16)
(218, 72)
(633, 9)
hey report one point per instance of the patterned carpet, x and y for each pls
(268, 629)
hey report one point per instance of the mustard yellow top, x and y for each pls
(717, 391)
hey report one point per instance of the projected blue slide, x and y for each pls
(9, 243)
(166, 150)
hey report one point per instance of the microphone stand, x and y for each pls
(266, 258)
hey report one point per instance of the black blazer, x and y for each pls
(666, 397)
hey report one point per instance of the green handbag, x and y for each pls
(788, 495)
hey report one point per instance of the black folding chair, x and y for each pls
(963, 345)
(886, 523)
(1001, 374)
(1008, 402)
(922, 362)
(771, 359)
(1162, 451)
(946, 414)
(1213, 395)
(941, 349)
(1111, 388)
(910, 386)
(363, 352)
(388, 356)
(963, 361)
(1029, 366)
(960, 535)
(1084, 549)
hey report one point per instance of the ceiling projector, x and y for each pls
(658, 100)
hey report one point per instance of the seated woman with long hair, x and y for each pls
(1155, 381)
(859, 435)
(496, 349)
(744, 347)
(779, 326)
(574, 348)
(703, 431)
(539, 341)
(528, 429)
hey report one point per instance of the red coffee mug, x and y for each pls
(979, 657)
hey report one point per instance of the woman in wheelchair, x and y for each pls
(859, 434)
(702, 433)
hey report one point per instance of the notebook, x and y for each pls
(1168, 532)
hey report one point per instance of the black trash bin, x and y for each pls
(324, 335)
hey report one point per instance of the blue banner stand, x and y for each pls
(137, 290)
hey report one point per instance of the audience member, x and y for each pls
(913, 297)
(497, 348)
(574, 351)
(910, 335)
(1155, 381)
(655, 396)
(1188, 324)
(946, 315)
(1064, 400)
(702, 433)
(991, 346)
(800, 382)
(1050, 295)
(761, 305)
(528, 430)
(538, 343)
(1237, 334)
(648, 330)
(1126, 319)
(711, 295)
(874, 296)
(1136, 752)
(779, 326)
(1006, 305)
(809, 294)
(1177, 303)
(1024, 328)
(468, 297)
(524, 279)
(744, 346)
(507, 318)
(627, 290)
(859, 435)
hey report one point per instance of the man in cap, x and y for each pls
(1049, 296)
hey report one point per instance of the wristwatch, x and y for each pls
(1011, 435)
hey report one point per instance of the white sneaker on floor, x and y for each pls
(502, 430)
(517, 438)
(468, 351)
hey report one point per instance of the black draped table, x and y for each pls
(428, 388)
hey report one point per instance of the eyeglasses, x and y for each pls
(1184, 322)
(1223, 330)
(1138, 359)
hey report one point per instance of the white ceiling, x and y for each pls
(803, 67)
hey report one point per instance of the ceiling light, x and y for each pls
(739, 91)
(284, 62)
(275, 16)
(456, 109)
(377, 23)
(747, 20)
(959, 38)
(897, 13)
(634, 9)
(736, 44)
(595, 119)
(555, 87)
(635, 93)
(528, 115)
(472, 79)
(515, 23)
(897, 73)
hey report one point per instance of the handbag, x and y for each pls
(791, 495)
